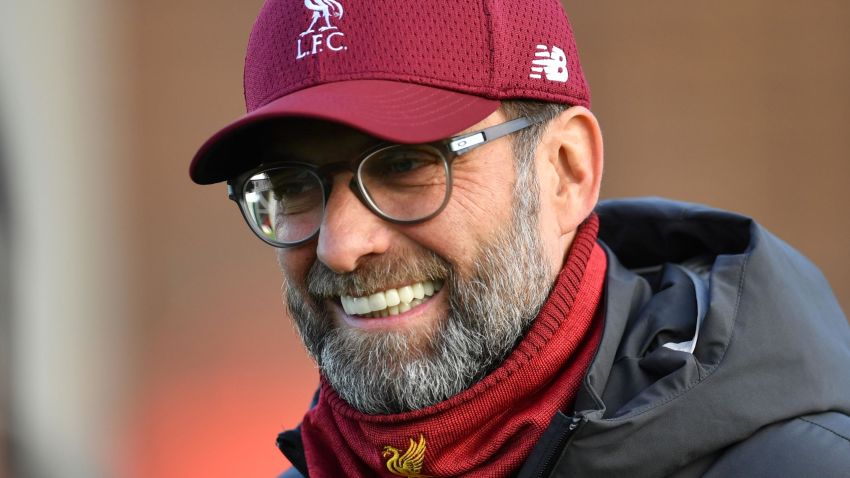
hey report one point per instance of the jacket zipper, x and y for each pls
(559, 445)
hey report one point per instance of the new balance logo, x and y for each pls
(552, 63)
(328, 37)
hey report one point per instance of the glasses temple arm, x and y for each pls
(466, 143)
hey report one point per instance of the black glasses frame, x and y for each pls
(448, 150)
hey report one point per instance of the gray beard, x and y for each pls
(490, 309)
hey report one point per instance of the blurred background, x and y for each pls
(141, 328)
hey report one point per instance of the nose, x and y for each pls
(349, 231)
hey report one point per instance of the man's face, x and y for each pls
(477, 272)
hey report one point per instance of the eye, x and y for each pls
(402, 165)
(284, 191)
(406, 182)
(293, 189)
(404, 161)
(288, 184)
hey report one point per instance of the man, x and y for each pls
(429, 172)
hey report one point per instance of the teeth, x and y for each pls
(361, 305)
(392, 301)
(346, 304)
(377, 301)
(429, 287)
(405, 294)
(392, 297)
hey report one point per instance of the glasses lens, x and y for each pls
(405, 182)
(284, 205)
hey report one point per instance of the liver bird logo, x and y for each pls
(410, 463)
(323, 9)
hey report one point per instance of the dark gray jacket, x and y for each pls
(724, 353)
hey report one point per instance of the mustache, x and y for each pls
(377, 273)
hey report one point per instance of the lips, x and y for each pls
(390, 302)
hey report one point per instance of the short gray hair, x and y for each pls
(527, 188)
(525, 141)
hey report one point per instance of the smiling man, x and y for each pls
(404, 317)
(429, 174)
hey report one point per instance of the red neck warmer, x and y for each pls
(490, 429)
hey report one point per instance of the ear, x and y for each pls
(570, 161)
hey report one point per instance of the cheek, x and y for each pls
(471, 218)
(295, 263)
(482, 196)
(481, 200)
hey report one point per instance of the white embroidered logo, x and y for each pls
(319, 41)
(552, 63)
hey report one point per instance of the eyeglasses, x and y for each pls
(284, 202)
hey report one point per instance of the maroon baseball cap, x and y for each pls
(406, 71)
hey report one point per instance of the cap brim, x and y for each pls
(389, 110)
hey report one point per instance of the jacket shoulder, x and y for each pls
(811, 445)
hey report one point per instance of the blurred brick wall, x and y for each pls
(742, 105)
(220, 370)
